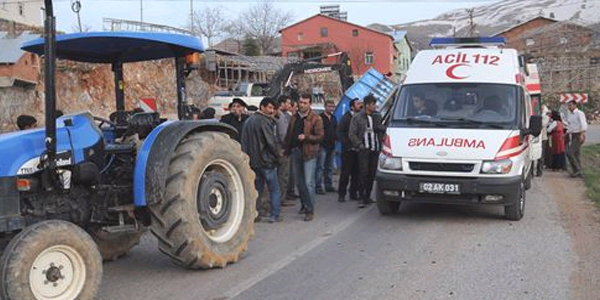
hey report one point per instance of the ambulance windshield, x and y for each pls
(473, 104)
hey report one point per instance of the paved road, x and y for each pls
(425, 252)
(592, 135)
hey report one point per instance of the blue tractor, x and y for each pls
(85, 188)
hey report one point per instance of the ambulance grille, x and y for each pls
(441, 167)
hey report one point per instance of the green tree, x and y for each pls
(251, 47)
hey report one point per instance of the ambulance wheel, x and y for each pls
(207, 215)
(515, 211)
(529, 178)
(51, 260)
(386, 207)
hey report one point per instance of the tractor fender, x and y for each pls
(151, 166)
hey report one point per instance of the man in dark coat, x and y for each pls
(259, 141)
(366, 133)
(236, 116)
(349, 154)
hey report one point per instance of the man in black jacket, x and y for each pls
(325, 156)
(349, 155)
(366, 133)
(259, 141)
(236, 116)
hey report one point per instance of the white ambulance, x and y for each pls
(459, 131)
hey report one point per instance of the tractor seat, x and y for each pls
(143, 123)
(119, 148)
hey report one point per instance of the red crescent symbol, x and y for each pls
(450, 71)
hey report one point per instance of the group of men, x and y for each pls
(290, 146)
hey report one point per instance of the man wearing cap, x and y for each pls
(576, 127)
(236, 116)
(259, 141)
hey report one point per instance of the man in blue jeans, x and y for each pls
(259, 141)
(325, 157)
(302, 142)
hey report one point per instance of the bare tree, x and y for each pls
(236, 29)
(263, 22)
(209, 22)
(81, 28)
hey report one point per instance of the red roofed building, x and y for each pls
(321, 35)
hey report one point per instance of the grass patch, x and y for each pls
(590, 160)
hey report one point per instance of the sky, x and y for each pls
(176, 13)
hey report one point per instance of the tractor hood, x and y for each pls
(21, 150)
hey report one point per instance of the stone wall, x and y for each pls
(90, 87)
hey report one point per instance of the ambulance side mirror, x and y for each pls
(535, 125)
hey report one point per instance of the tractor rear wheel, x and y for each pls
(50, 260)
(207, 215)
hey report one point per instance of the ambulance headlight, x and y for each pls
(502, 166)
(390, 163)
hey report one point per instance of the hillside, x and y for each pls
(90, 87)
(493, 18)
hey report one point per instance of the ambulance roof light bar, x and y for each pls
(470, 42)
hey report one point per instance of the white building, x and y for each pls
(23, 12)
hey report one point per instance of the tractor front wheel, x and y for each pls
(50, 260)
(207, 215)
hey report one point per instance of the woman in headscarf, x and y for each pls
(556, 130)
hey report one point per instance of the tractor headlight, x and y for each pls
(502, 166)
(390, 163)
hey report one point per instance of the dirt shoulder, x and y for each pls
(581, 219)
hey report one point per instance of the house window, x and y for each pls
(354, 32)
(324, 32)
(21, 8)
(529, 42)
(369, 58)
(300, 36)
(563, 40)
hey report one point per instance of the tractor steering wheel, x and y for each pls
(101, 121)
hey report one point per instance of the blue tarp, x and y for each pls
(372, 82)
(110, 47)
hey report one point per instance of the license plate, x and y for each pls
(439, 188)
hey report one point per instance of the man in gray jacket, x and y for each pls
(260, 142)
(366, 133)
(286, 180)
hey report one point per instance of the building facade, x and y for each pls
(404, 56)
(567, 55)
(23, 12)
(512, 34)
(17, 67)
(321, 35)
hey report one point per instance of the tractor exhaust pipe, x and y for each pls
(49, 84)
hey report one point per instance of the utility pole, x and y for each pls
(192, 16)
(76, 7)
(141, 14)
(471, 11)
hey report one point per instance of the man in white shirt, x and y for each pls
(576, 127)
